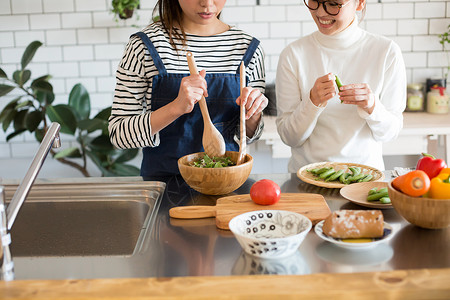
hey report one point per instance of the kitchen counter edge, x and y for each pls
(401, 284)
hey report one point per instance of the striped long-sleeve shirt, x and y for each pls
(129, 124)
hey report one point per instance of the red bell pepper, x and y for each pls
(430, 165)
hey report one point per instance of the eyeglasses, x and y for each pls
(331, 8)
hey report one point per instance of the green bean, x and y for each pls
(335, 175)
(377, 196)
(355, 170)
(338, 83)
(383, 190)
(373, 191)
(343, 178)
(355, 178)
(327, 173)
(322, 170)
(317, 171)
(366, 178)
(385, 200)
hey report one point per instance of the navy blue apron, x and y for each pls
(184, 135)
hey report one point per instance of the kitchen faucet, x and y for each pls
(7, 217)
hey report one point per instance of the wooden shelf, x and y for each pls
(419, 133)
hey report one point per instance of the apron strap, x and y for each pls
(249, 53)
(153, 53)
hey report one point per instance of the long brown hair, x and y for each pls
(170, 15)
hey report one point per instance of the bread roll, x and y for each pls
(348, 224)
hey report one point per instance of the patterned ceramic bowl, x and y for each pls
(270, 233)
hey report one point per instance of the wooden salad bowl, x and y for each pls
(421, 211)
(215, 181)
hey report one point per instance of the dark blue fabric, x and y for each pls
(184, 135)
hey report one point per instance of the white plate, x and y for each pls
(388, 233)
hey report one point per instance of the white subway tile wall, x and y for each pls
(82, 42)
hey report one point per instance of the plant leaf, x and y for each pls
(44, 78)
(39, 134)
(72, 152)
(64, 115)
(8, 117)
(24, 104)
(80, 101)
(21, 77)
(29, 53)
(33, 119)
(102, 144)
(99, 163)
(3, 74)
(10, 106)
(92, 125)
(45, 98)
(42, 85)
(124, 170)
(19, 119)
(5, 89)
(126, 155)
(104, 114)
(14, 134)
(16, 77)
(26, 75)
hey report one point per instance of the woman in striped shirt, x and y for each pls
(154, 101)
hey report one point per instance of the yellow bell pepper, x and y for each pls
(440, 185)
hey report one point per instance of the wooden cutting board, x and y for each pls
(312, 206)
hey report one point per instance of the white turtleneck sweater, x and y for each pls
(340, 132)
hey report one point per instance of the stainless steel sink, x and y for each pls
(84, 219)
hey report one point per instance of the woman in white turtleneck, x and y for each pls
(312, 120)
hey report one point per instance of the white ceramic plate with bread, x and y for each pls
(358, 192)
(356, 244)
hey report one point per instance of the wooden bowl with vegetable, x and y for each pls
(421, 211)
(209, 177)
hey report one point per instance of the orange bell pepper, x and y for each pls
(440, 185)
(415, 183)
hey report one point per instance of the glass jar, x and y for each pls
(437, 100)
(415, 100)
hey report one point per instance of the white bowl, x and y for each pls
(270, 233)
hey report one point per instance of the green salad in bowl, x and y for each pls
(213, 162)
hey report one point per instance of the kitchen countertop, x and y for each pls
(193, 259)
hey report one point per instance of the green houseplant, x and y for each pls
(444, 40)
(124, 8)
(32, 109)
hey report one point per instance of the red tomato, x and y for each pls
(265, 192)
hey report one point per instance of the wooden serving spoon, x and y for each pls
(213, 141)
(242, 136)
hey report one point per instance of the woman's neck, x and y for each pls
(213, 28)
(346, 38)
